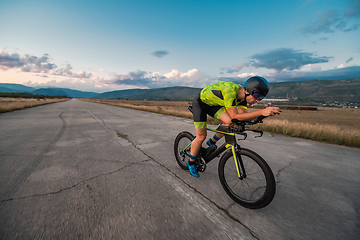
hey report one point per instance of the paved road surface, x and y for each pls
(79, 170)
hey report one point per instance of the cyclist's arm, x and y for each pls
(243, 115)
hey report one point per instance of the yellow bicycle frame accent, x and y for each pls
(213, 130)
(227, 146)
(233, 151)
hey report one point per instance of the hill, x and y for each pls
(312, 91)
(6, 90)
(169, 93)
(301, 92)
(14, 88)
(343, 90)
(64, 92)
(49, 92)
(78, 94)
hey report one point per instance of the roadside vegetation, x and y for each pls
(15, 101)
(331, 125)
(29, 95)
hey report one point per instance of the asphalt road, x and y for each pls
(79, 170)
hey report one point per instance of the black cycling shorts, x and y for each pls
(201, 109)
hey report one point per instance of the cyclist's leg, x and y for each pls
(196, 144)
(199, 114)
(223, 115)
(194, 150)
(226, 119)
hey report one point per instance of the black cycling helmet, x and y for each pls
(257, 86)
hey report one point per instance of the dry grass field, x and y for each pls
(12, 104)
(333, 125)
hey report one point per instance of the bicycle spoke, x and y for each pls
(254, 189)
(250, 188)
(182, 149)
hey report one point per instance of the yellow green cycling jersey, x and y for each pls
(222, 94)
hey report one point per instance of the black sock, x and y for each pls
(212, 142)
(192, 158)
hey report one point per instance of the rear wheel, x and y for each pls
(182, 146)
(255, 188)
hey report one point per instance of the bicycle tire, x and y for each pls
(182, 140)
(254, 191)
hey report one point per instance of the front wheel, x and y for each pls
(182, 146)
(256, 186)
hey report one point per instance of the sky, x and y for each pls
(102, 46)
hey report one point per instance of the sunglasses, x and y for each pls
(257, 96)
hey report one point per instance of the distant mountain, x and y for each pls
(78, 94)
(343, 90)
(49, 92)
(317, 91)
(5, 89)
(12, 87)
(169, 93)
(123, 94)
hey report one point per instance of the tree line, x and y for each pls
(29, 95)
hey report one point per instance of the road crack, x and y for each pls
(285, 167)
(15, 183)
(75, 185)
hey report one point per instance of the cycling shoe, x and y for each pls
(192, 169)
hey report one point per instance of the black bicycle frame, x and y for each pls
(230, 141)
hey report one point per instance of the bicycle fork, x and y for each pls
(238, 161)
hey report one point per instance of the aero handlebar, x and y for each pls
(239, 127)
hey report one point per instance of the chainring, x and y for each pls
(200, 165)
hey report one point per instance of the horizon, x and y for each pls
(146, 45)
(53, 87)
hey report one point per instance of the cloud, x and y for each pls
(279, 59)
(332, 20)
(37, 64)
(8, 61)
(160, 53)
(63, 71)
(247, 75)
(349, 60)
(353, 10)
(286, 59)
(67, 72)
(137, 78)
(143, 79)
(137, 74)
(191, 78)
(321, 39)
(28, 63)
(239, 79)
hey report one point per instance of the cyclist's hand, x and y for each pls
(270, 111)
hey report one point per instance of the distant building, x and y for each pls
(275, 100)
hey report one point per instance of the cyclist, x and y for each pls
(226, 101)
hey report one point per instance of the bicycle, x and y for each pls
(244, 175)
